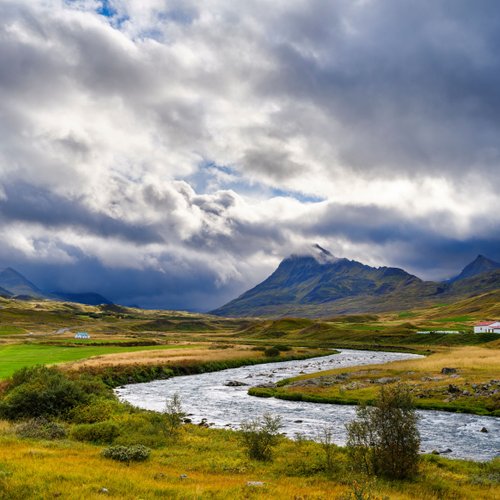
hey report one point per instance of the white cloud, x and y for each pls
(107, 121)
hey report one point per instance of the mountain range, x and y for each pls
(14, 285)
(319, 284)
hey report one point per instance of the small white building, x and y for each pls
(82, 335)
(487, 327)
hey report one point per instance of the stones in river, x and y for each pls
(484, 429)
(442, 452)
(234, 383)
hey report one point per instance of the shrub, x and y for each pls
(40, 391)
(146, 428)
(384, 439)
(134, 453)
(283, 348)
(40, 428)
(173, 415)
(99, 433)
(97, 410)
(325, 438)
(271, 352)
(260, 435)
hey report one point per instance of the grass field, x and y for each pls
(15, 356)
(215, 466)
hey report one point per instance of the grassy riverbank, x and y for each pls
(216, 467)
(472, 385)
(154, 365)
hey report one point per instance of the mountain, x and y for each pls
(317, 284)
(17, 284)
(479, 265)
(89, 298)
(14, 284)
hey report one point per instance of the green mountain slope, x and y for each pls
(321, 285)
(17, 284)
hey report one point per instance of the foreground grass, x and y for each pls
(474, 388)
(216, 467)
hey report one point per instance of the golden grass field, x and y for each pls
(196, 354)
(216, 468)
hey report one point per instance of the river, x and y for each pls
(207, 396)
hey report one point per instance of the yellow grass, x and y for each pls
(215, 467)
(159, 357)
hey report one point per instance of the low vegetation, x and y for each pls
(97, 435)
(260, 436)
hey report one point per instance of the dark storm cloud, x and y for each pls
(409, 86)
(25, 203)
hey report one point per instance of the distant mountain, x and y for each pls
(89, 298)
(14, 284)
(17, 284)
(479, 265)
(317, 284)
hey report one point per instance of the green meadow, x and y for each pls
(16, 356)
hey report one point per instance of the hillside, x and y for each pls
(14, 284)
(319, 285)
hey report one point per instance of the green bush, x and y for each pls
(384, 439)
(134, 453)
(146, 428)
(96, 410)
(283, 348)
(271, 352)
(260, 435)
(99, 433)
(40, 428)
(40, 392)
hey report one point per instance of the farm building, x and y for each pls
(487, 327)
(82, 335)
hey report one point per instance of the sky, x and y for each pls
(170, 153)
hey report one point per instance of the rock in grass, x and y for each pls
(448, 371)
(255, 484)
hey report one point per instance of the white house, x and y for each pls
(82, 335)
(487, 327)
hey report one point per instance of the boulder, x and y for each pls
(234, 383)
(448, 371)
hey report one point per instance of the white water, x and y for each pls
(207, 396)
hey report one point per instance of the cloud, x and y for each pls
(170, 152)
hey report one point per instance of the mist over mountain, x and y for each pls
(318, 284)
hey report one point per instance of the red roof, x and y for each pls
(485, 323)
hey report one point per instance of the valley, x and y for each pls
(131, 345)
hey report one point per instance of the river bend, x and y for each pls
(206, 396)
